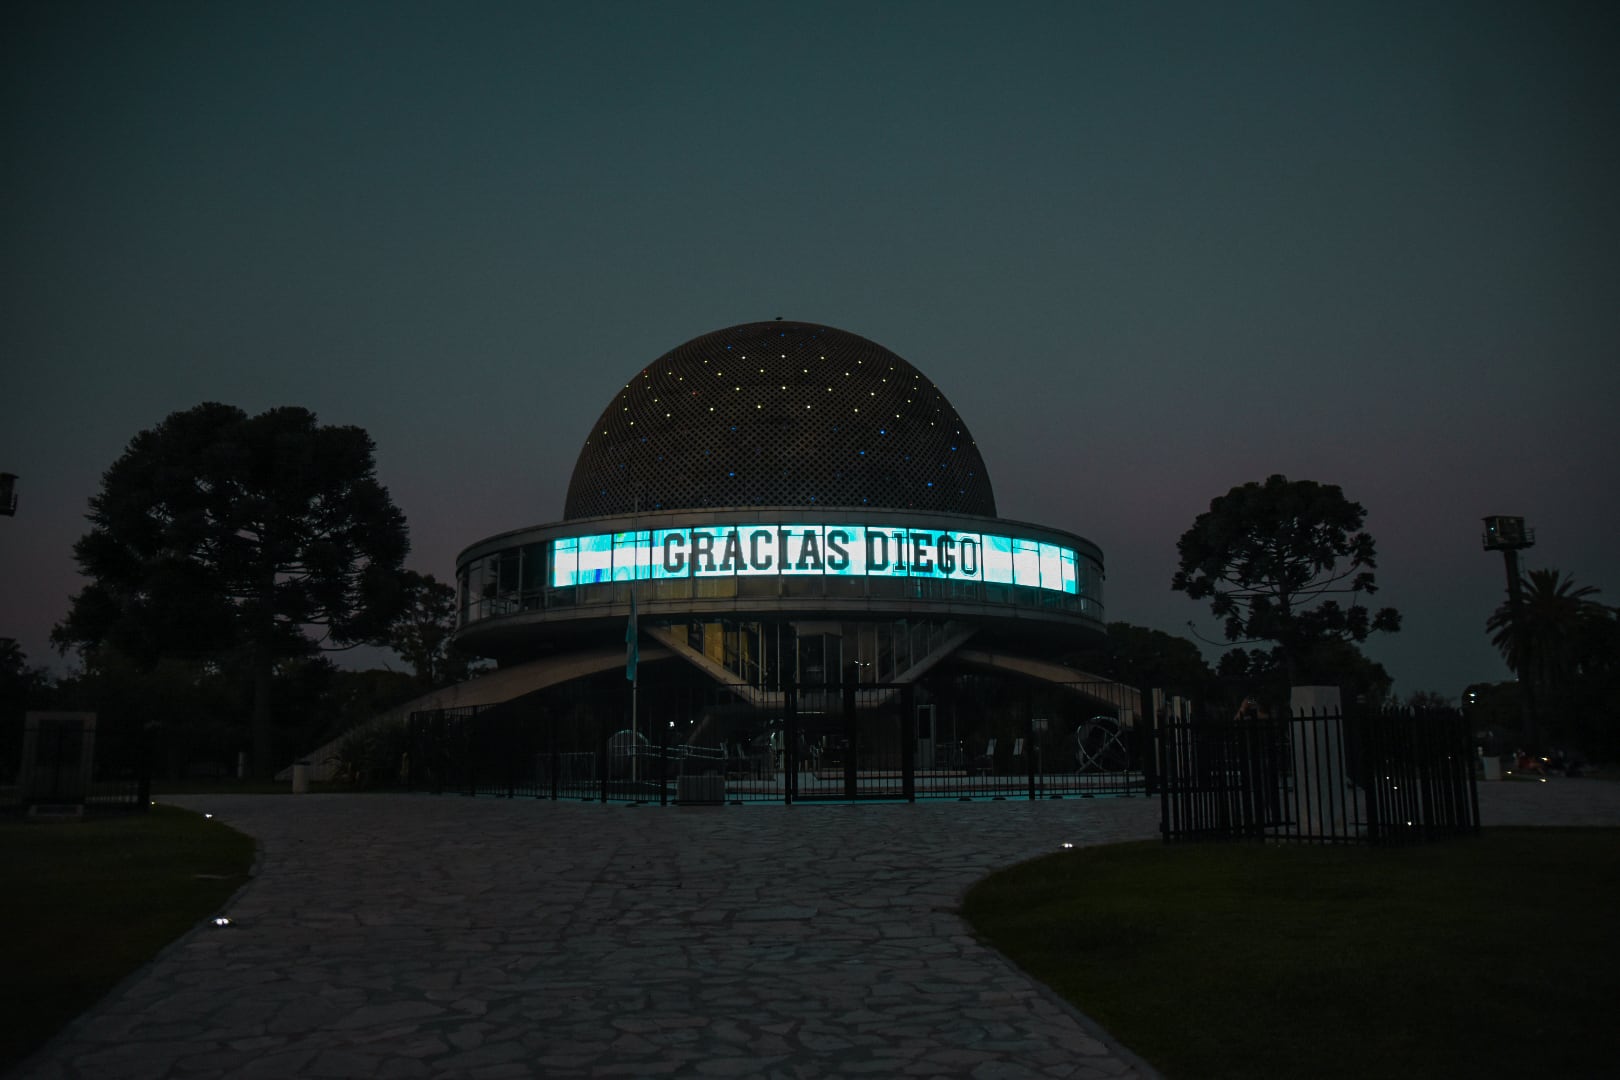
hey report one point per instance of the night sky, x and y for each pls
(1149, 251)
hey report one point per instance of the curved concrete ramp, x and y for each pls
(491, 688)
(1114, 695)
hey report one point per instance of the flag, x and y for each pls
(632, 648)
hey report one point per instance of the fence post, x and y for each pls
(1029, 740)
(1375, 762)
(663, 759)
(602, 760)
(550, 720)
(508, 750)
(908, 741)
(415, 748)
(852, 737)
(438, 736)
(790, 744)
(1148, 746)
(1162, 749)
(1465, 753)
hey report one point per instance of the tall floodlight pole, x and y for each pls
(1509, 536)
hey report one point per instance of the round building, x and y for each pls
(789, 535)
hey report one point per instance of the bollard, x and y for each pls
(300, 777)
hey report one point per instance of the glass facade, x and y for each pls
(870, 562)
(813, 551)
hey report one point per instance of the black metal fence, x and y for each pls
(804, 743)
(69, 762)
(1385, 777)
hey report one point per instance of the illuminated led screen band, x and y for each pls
(831, 550)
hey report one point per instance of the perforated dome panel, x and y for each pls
(779, 414)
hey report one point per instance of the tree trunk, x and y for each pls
(263, 766)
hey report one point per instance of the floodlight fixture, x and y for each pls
(1507, 534)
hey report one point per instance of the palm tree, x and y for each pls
(1558, 627)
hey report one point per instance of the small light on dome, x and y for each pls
(208, 815)
(220, 920)
(1066, 844)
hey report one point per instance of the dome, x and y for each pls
(779, 414)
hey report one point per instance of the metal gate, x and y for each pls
(799, 743)
(1385, 776)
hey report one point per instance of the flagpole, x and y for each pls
(632, 652)
(635, 692)
(632, 665)
(632, 648)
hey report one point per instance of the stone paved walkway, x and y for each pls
(417, 936)
(420, 936)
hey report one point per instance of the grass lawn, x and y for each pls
(1495, 956)
(86, 903)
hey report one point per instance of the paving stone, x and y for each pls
(273, 1066)
(342, 1063)
(418, 936)
(637, 1068)
(305, 1014)
(633, 1045)
(1001, 1070)
(741, 1066)
(771, 914)
(420, 1045)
